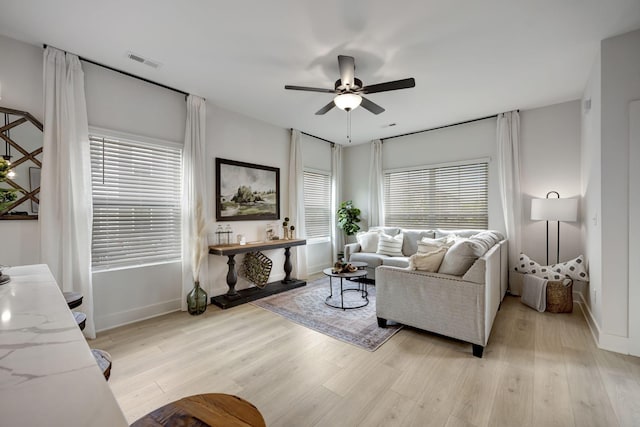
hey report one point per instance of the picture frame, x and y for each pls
(34, 184)
(246, 191)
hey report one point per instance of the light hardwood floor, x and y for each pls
(539, 369)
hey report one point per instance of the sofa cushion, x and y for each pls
(426, 244)
(372, 259)
(429, 261)
(411, 239)
(368, 240)
(461, 232)
(396, 261)
(486, 239)
(388, 245)
(461, 256)
(390, 231)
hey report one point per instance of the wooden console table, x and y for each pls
(233, 298)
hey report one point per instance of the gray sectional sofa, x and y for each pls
(459, 306)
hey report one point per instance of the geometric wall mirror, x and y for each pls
(21, 146)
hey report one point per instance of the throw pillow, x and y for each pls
(527, 266)
(368, 241)
(426, 244)
(429, 261)
(411, 239)
(388, 245)
(486, 239)
(574, 269)
(460, 257)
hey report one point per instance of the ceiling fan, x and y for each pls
(349, 89)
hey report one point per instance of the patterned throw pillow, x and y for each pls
(526, 265)
(574, 269)
(368, 240)
(388, 245)
(427, 261)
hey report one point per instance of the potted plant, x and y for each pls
(7, 195)
(348, 218)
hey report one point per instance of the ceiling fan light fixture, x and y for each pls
(347, 101)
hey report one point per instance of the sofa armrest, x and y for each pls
(350, 248)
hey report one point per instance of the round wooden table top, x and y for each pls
(204, 410)
(345, 275)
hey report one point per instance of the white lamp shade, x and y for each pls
(347, 101)
(554, 210)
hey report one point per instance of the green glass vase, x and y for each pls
(197, 300)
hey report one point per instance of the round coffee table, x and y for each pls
(359, 264)
(362, 288)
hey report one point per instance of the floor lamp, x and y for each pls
(554, 209)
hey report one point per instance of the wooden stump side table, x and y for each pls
(203, 410)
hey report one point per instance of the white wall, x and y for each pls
(124, 104)
(634, 228)
(613, 83)
(355, 172)
(316, 154)
(465, 142)
(21, 79)
(620, 85)
(236, 137)
(591, 183)
(550, 161)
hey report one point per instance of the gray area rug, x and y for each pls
(306, 306)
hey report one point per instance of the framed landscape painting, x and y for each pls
(246, 191)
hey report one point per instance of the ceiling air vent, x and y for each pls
(140, 59)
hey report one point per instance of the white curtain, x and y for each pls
(296, 205)
(508, 132)
(66, 209)
(336, 198)
(194, 202)
(376, 190)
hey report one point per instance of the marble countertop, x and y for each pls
(48, 375)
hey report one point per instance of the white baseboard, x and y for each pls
(315, 269)
(588, 315)
(114, 320)
(603, 340)
(614, 343)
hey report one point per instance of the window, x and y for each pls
(451, 196)
(136, 203)
(317, 204)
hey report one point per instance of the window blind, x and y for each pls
(136, 203)
(439, 197)
(317, 204)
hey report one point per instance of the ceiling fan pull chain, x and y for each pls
(349, 127)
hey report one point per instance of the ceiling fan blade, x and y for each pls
(394, 85)
(371, 106)
(347, 70)
(310, 89)
(326, 108)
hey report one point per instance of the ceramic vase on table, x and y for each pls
(197, 300)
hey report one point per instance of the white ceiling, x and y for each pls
(470, 58)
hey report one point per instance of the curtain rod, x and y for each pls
(317, 137)
(127, 74)
(441, 127)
